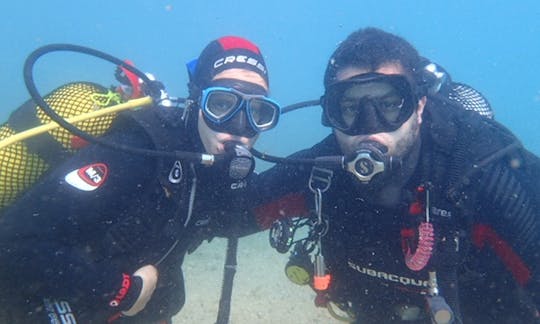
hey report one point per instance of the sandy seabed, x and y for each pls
(261, 294)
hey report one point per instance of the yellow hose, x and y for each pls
(139, 102)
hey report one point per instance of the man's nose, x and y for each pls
(239, 125)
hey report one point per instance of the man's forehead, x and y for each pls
(351, 71)
(369, 89)
(243, 75)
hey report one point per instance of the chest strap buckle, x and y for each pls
(320, 179)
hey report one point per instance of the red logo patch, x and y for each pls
(88, 178)
(94, 174)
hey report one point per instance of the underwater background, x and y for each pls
(491, 45)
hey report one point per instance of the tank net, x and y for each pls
(470, 99)
(20, 165)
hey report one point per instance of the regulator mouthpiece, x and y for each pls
(368, 161)
(240, 161)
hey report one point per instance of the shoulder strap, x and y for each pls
(162, 124)
(165, 128)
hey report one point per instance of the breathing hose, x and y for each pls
(152, 88)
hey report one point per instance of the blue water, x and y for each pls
(492, 45)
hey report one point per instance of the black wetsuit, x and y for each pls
(483, 207)
(105, 213)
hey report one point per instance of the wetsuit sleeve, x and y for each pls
(283, 190)
(509, 221)
(267, 197)
(270, 196)
(50, 238)
(281, 193)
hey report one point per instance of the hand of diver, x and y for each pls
(148, 276)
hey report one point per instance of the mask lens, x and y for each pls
(263, 112)
(390, 107)
(221, 104)
(369, 104)
(228, 110)
(348, 111)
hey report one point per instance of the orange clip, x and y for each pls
(321, 282)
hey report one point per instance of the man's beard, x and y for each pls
(405, 145)
(386, 188)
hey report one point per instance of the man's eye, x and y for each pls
(349, 110)
(348, 105)
(393, 103)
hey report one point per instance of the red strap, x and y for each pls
(407, 234)
(114, 317)
(287, 206)
(133, 80)
(416, 208)
(483, 234)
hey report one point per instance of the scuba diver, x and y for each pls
(102, 237)
(433, 216)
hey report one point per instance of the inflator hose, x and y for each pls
(21, 136)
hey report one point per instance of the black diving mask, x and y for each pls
(369, 103)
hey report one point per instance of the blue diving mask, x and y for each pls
(236, 112)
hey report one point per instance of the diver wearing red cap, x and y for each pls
(102, 237)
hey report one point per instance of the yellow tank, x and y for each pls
(23, 163)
